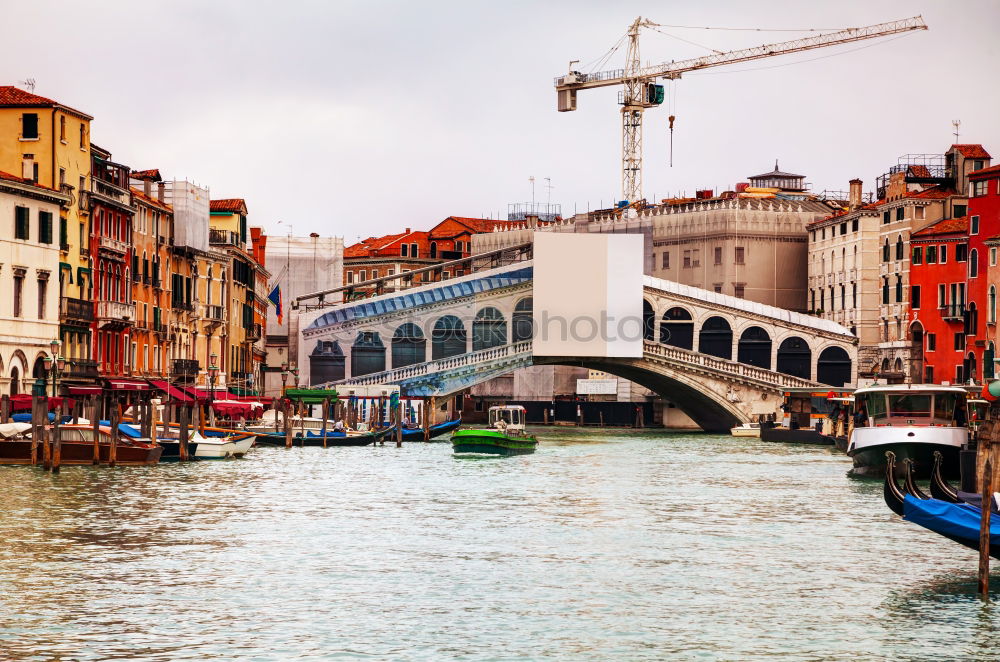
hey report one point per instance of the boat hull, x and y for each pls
(870, 461)
(331, 440)
(740, 431)
(491, 442)
(797, 436)
(82, 453)
(417, 434)
(208, 449)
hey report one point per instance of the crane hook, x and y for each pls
(671, 118)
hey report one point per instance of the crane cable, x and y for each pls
(708, 27)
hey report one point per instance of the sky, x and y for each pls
(360, 118)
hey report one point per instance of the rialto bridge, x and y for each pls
(719, 358)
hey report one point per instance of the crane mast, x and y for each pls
(639, 91)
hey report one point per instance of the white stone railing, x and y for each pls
(733, 368)
(483, 356)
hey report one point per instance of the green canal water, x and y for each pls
(603, 545)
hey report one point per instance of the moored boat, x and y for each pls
(417, 434)
(746, 430)
(77, 448)
(956, 521)
(911, 420)
(504, 436)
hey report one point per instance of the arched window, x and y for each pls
(367, 354)
(755, 348)
(15, 381)
(899, 288)
(973, 263)
(434, 249)
(885, 250)
(795, 358)
(992, 308)
(489, 329)
(716, 338)
(677, 329)
(899, 247)
(409, 346)
(988, 371)
(326, 363)
(448, 338)
(522, 326)
(648, 320)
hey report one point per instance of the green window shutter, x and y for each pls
(44, 227)
(63, 233)
(21, 222)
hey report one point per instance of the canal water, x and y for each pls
(603, 545)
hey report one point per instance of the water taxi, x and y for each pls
(911, 420)
(746, 430)
(504, 436)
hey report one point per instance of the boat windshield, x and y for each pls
(508, 416)
(907, 408)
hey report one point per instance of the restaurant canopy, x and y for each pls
(172, 391)
(311, 396)
(22, 402)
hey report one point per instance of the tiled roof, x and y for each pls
(15, 97)
(367, 247)
(918, 171)
(992, 170)
(946, 226)
(481, 225)
(153, 201)
(933, 193)
(972, 151)
(153, 174)
(231, 205)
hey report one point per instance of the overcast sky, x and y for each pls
(360, 118)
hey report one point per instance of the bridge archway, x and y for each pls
(677, 328)
(834, 367)
(648, 320)
(367, 354)
(716, 338)
(409, 346)
(326, 362)
(489, 329)
(755, 348)
(795, 357)
(449, 338)
(522, 326)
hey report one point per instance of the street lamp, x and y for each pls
(295, 373)
(54, 364)
(284, 378)
(213, 373)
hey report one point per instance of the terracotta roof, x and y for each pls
(992, 170)
(368, 247)
(972, 151)
(21, 180)
(15, 97)
(153, 175)
(933, 193)
(231, 205)
(153, 201)
(946, 226)
(918, 171)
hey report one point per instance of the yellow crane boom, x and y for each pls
(641, 93)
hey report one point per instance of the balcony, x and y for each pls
(78, 310)
(186, 368)
(224, 238)
(954, 312)
(141, 324)
(102, 191)
(113, 245)
(214, 313)
(158, 326)
(182, 305)
(81, 368)
(115, 314)
(254, 332)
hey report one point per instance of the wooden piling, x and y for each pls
(95, 423)
(425, 416)
(5, 408)
(201, 419)
(288, 423)
(600, 416)
(545, 415)
(113, 448)
(57, 437)
(153, 414)
(399, 423)
(326, 416)
(184, 415)
(984, 531)
(36, 433)
(46, 445)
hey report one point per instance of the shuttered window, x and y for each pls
(21, 222)
(45, 227)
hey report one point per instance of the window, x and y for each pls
(991, 305)
(958, 211)
(739, 290)
(931, 255)
(374, 273)
(959, 341)
(45, 227)
(740, 255)
(812, 299)
(404, 250)
(83, 139)
(974, 263)
(929, 374)
(62, 128)
(18, 291)
(687, 260)
(899, 288)
(843, 297)
(42, 291)
(993, 256)
(942, 300)
(350, 277)
(392, 272)
(854, 295)
(915, 297)
(718, 255)
(363, 275)
(822, 234)
(931, 342)
(886, 217)
(899, 213)
(843, 228)
(885, 250)
(21, 222)
(961, 252)
(696, 257)
(822, 300)
(942, 254)
(899, 247)
(665, 260)
(63, 234)
(854, 225)
(718, 288)
(974, 225)
(885, 290)
(918, 255)
(29, 126)
(413, 251)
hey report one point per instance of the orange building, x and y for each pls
(152, 230)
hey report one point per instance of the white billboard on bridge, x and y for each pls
(587, 295)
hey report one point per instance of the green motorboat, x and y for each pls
(504, 436)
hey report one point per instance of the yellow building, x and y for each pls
(49, 143)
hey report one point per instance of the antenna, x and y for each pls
(532, 180)
(956, 124)
(28, 83)
(548, 185)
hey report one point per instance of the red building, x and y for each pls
(111, 214)
(938, 296)
(984, 229)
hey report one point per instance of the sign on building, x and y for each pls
(597, 387)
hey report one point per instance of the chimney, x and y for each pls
(854, 196)
(147, 187)
(532, 220)
(407, 230)
(160, 186)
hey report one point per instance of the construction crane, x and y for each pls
(641, 91)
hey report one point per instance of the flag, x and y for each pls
(275, 298)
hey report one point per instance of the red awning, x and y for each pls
(174, 392)
(127, 385)
(194, 394)
(22, 402)
(233, 409)
(85, 390)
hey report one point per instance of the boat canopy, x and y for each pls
(311, 396)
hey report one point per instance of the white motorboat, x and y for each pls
(911, 420)
(219, 448)
(746, 430)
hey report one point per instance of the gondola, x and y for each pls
(893, 495)
(417, 434)
(909, 483)
(939, 488)
(314, 438)
(956, 521)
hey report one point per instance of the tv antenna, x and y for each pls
(956, 124)
(28, 83)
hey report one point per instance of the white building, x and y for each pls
(29, 279)
(300, 265)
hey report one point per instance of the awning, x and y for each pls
(85, 390)
(194, 394)
(22, 402)
(172, 391)
(233, 409)
(127, 385)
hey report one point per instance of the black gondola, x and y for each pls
(939, 488)
(909, 483)
(891, 492)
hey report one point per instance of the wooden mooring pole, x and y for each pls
(183, 427)
(984, 531)
(57, 437)
(326, 417)
(113, 447)
(95, 423)
(288, 423)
